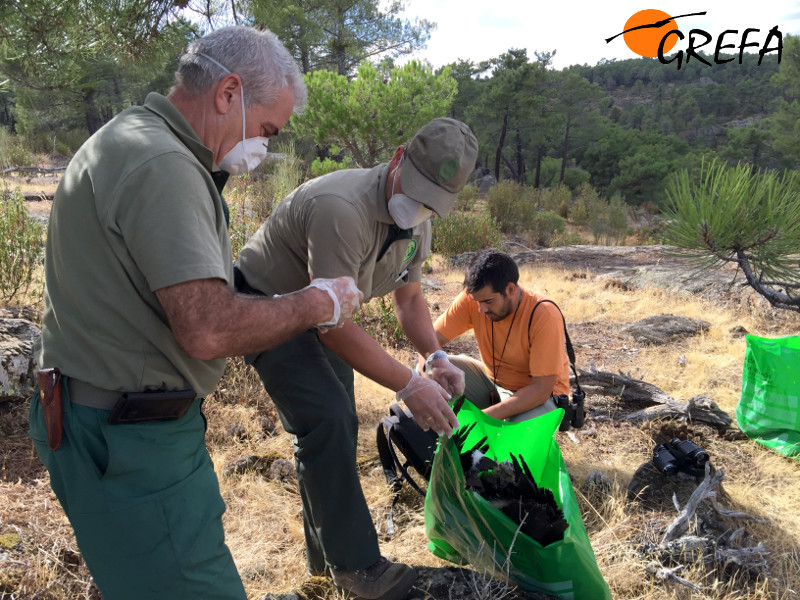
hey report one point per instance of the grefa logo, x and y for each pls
(653, 32)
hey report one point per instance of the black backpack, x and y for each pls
(400, 431)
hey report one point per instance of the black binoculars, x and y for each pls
(574, 413)
(679, 455)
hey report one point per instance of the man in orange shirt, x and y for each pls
(520, 338)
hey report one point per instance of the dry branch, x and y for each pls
(669, 575)
(33, 170)
(703, 491)
(731, 514)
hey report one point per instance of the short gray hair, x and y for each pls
(257, 56)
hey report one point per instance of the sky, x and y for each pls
(577, 29)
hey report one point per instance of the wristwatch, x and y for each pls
(432, 357)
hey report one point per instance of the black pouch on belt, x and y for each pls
(149, 407)
(49, 382)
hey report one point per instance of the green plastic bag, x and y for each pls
(464, 528)
(768, 410)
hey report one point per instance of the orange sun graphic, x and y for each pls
(645, 41)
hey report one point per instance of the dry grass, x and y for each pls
(263, 524)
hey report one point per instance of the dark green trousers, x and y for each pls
(312, 389)
(144, 502)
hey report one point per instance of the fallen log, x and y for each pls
(657, 404)
(625, 386)
(33, 170)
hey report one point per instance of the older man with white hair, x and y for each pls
(141, 311)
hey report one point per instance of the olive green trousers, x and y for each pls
(144, 502)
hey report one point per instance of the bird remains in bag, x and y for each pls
(509, 487)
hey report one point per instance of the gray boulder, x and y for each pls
(483, 179)
(17, 368)
(663, 329)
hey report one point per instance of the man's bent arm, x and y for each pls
(415, 319)
(427, 400)
(211, 321)
(362, 352)
(532, 395)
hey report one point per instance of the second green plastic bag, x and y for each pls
(464, 528)
(768, 410)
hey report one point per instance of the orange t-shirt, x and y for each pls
(535, 352)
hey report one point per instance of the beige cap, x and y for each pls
(439, 159)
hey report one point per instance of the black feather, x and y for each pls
(458, 404)
(511, 488)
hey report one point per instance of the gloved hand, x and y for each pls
(428, 402)
(449, 376)
(346, 299)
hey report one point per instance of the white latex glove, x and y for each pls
(346, 299)
(446, 373)
(428, 402)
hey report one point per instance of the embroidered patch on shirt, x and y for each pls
(410, 251)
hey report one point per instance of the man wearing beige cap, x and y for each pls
(373, 225)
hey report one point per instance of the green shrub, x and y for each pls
(21, 246)
(553, 198)
(545, 226)
(377, 317)
(275, 179)
(465, 232)
(608, 221)
(549, 172)
(40, 142)
(14, 151)
(563, 210)
(323, 167)
(566, 238)
(243, 221)
(589, 205)
(618, 228)
(467, 198)
(579, 215)
(574, 177)
(69, 140)
(512, 206)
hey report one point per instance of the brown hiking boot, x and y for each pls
(382, 581)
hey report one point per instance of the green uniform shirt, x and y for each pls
(333, 226)
(137, 210)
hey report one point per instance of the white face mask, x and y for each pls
(247, 154)
(407, 213)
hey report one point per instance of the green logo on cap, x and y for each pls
(410, 251)
(448, 169)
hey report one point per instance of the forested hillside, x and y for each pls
(626, 125)
(622, 126)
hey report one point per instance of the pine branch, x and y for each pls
(775, 297)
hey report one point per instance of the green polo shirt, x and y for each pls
(332, 226)
(137, 210)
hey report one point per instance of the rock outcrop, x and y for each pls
(17, 336)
